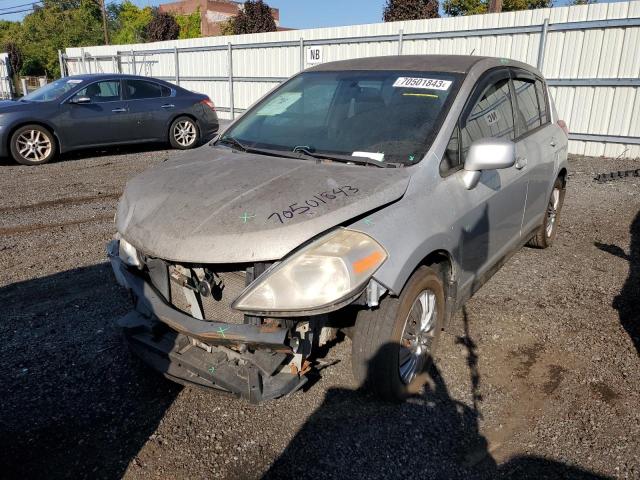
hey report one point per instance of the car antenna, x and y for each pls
(472, 51)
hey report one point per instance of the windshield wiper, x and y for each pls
(262, 151)
(343, 158)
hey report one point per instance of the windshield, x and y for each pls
(387, 116)
(53, 90)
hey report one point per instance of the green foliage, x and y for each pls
(397, 10)
(255, 17)
(456, 8)
(131, 23)
(57, 25)
(163, 26)
(189, 25)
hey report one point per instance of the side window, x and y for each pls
(139, 89)
(100, 92)
(542, 101)
(491, 116)
(451, 159)
(166, 91)
(528, 110)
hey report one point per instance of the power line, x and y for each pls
(30, 4)
(16, 11)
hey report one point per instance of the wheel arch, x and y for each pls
(563, 174)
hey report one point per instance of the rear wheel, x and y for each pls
(392, 346)
(184, 133)
(546, 233)
(32, 145)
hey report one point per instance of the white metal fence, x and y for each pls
(589, 54)
(6, 90)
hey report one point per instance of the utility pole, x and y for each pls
(104, 22)
(495, 6)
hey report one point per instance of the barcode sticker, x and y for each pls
(426, 83)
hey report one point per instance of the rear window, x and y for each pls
(140, 89)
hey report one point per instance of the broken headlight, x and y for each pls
(128, 254)
(320, 276)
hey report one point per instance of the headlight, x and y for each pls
(129, 254)
(321, 275)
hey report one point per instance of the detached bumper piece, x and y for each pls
(252, 376)
(252, 361)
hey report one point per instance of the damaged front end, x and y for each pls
(183, 325)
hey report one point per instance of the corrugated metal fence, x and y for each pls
(6, 90)
(589, 54)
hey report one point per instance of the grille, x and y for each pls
(218, 307)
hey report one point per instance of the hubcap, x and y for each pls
(552, 211)
(184, 133)
(34, 145)
(417, 335)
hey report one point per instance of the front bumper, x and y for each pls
(251, 361)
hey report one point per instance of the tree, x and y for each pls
(56, 25)
(161, 27)
(456, 8)
(397, 10)
(254, 17)
(130, 23)
(189, 25)
(15, 57)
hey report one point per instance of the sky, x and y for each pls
(293, 13)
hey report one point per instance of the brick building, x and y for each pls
(212, 13)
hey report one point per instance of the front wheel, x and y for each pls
(32, 145)
(184, 133)
(392, 346)
(547, 231)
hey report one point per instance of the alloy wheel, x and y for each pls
(184, 133)
(552, 211)
(34, 145)
(417, 335)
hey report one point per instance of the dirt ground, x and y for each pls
(538, 378)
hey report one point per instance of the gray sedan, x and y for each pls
(373, 196)
(101, 110)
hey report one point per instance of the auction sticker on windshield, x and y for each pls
(427, 83)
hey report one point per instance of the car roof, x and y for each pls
(419, 63)
(100, 76)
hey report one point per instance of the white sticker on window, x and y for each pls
(372, 155)
(74, 81)
(279, 104)
(426, 83)
(492, 117)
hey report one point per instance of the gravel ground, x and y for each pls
(538, 378)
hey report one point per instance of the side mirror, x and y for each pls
(80, 100)
(487, 154)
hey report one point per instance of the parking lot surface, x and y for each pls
(538, 378)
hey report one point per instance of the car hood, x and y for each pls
(221, 206)
(13, 105)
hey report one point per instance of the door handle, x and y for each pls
(521, 162)
(119, 110)
(168, 105)
(553, 142)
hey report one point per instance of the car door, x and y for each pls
(91, 115)
(489, 215)
(150, 109)
(538, 136)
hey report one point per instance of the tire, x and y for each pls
(547, 231)
(32, 145)
(376, 344)
(184, 133)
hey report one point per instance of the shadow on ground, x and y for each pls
(353, 435)
(627, 303)
(75, 404)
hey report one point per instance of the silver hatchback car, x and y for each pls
(372, 196)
